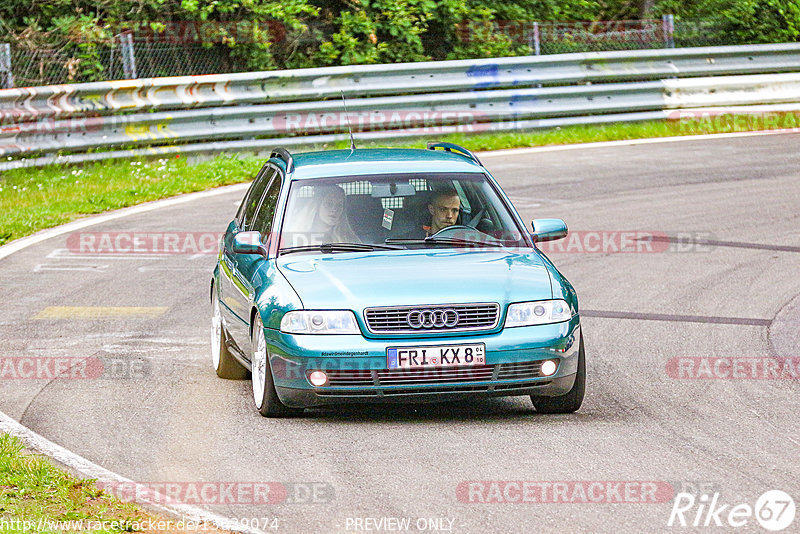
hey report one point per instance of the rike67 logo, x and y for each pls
(774, 511)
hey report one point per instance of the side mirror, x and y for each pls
(248, 243)
(548, 229)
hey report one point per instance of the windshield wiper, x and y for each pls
(338, 247)
(431, 240)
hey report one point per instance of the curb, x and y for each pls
(78, 463)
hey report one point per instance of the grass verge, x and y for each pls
(37, 497)
(34, 199)
(567, 135)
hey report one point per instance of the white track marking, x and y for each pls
(19, 244)
(146, 269)
(91, 470)
(66, 254)
(646, 141)
(69, 267)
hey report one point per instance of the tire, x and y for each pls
(266, 398)
(571, 401)
(223, 361)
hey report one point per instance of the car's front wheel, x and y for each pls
(571, 401)
(223, 361)
(264, 394)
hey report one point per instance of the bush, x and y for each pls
(310, 33)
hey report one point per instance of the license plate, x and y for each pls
(436, 356)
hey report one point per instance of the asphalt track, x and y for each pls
(727, 290)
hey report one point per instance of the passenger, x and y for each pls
(328, 221)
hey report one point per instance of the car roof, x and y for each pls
(362, 161)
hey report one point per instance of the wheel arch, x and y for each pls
(253, 312)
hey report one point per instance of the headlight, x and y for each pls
(319, 322)
(539, 312)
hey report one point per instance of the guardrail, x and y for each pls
(256, 110)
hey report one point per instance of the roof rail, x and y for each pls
(450, 147)
(285, 155)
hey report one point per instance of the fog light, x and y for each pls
(549, 367)
(318, 378)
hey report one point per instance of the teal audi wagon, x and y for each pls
(391, 275)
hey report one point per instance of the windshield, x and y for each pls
(401, 210)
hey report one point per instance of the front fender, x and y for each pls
(214, 287)
(274, 296)
(562, 288)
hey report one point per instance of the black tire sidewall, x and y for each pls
(572, 400)
(271, 405)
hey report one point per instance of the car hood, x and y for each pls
(357, 280)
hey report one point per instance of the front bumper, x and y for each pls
(360, 366)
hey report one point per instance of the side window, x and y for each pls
(465, 206)
(240, 211)
(250, 193)
(254, 199)
(263, 221)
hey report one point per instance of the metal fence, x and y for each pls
(567, 37)
(122, 58)
(6, 75)
(302, 107)
(141, 53)
(44, 65)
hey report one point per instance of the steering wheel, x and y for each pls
(455, 227)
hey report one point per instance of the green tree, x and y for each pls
(738, 21)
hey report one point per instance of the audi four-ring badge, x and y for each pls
(447, 318)
(391, 275)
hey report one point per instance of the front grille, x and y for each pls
(357, 378)
(453, 389)
(520, 371)
(395, 320)
(442, 375)
(346, 393)
(431, 376)
(512, 387)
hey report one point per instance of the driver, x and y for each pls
(444, 208)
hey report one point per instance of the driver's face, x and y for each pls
(444, 212)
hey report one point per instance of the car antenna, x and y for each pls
(347, 117)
